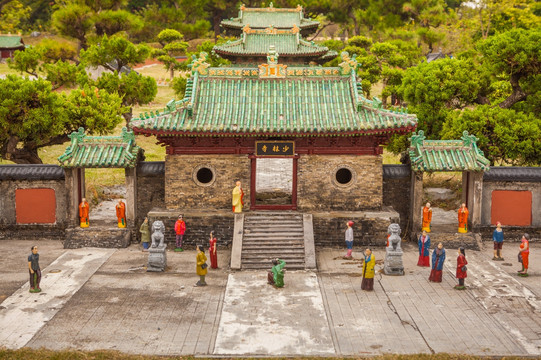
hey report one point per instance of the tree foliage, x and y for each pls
(33, 116)
(12, 15)
(172, 46)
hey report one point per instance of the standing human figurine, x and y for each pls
(368, 270)
(237, 199)
(497, 237)
(461, 269)
(180, 229)
(463, 219)
(201, 266)
(83, 213)
(275, 277)
(349, 240)
(524, 254)
(121, 213)
(34, 270)
(212, 251)
(438, 258)
(145, 234)
(424, 250)
(427, 217)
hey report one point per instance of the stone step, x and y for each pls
(280, 227)
(272, 244)
(273, 240)
(259, 253)
(266, 262)
(268, 267)
(278, 235)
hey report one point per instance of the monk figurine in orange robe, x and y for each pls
(237, 200)
(427, 217)
(121, 213)
(83, 213)
(463, 219)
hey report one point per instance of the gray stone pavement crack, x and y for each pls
(413, 324)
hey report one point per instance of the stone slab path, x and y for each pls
(23, 314)
(258, 319)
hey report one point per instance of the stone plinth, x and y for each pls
(157, 259)
(393, 254)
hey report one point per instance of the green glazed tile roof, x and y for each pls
(270, 16)
(258, 44)
(11, 41)
(307, 101)
(100, 151)
(446, 155)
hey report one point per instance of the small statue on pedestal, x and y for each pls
(237, 199)
(427, 217)
(157, 259)
(83, 213)
(276, 275)
(463, 219)
(393, 253)
(121, 213)
(34, 270)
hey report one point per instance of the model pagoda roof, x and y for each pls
(11, 42)
(274, 99)
(101, 151)
(446, 155)
(288, 43)
(261, 18)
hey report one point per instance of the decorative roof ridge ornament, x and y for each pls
(272, 69)
(200, 65)
(349, 64)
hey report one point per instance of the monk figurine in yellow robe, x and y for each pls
(83, 213)
(238, 195)
(463, 219)
(427, 217)
(121, 213)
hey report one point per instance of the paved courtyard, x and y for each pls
(104, 299)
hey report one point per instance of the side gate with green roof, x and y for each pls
(447, 155)
(100, 152)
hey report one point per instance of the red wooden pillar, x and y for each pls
(252, 181)
(294, 185)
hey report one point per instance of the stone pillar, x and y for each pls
(465, 189)
(416, 203)
(131, 196)
(475, 198)
(72, 192)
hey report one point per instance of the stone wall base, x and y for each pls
(370, 227)
(102, 237)
(199, 224)
(32, 232)
(511, 233)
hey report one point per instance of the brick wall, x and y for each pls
(9, 228)
(370, 228)
(183, 192)
(318, 190)
(198, 226)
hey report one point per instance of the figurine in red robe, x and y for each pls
(212, 251)
(121, 213)
(463, 219)
(524, 254)
(83, 213)
(461, 269)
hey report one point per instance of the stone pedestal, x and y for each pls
(157, 259)
(393, 263)
(393, 254)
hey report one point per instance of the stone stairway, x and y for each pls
(273, 235)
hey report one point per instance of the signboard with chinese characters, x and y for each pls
(275, 148)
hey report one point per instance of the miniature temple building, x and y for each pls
(448, 155)
(269, 103)
(86, 151)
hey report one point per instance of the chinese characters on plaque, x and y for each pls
(275, 148)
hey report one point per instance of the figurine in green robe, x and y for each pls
(276, 275)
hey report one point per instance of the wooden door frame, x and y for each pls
(253, 174)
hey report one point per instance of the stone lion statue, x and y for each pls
(158, 228)
(394, 239)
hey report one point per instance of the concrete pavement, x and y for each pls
(122, 307)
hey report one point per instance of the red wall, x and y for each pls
(35, 206)
(511, 207)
